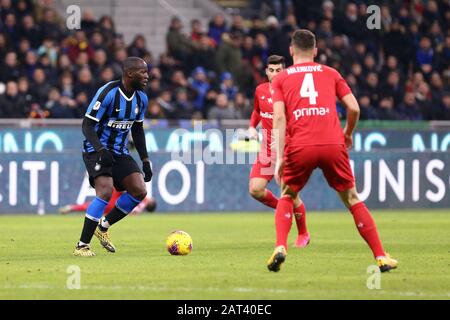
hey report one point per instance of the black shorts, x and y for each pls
(123, 166)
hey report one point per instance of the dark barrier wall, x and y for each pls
(43, 168)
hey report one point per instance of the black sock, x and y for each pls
(88, 230)
(114, 216)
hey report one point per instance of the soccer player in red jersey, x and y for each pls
(263, 168)
(304, 97)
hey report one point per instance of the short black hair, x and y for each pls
(304, 40)
(274, 59)
(132, 63)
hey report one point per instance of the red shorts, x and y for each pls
(332, 159)
(264, 167)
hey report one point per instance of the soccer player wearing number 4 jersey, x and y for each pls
(304, 97)
(263, 168)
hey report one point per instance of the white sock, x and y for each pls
(104, 223)
(81, 243)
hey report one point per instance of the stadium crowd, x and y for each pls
(398, 72)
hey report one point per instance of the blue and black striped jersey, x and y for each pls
(115, 114)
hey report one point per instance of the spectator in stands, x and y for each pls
(138, 47)
(12, 104)
(79, 43)
(242, 106)
(108, 30)
(216, 28)
(237, 25)
(444, 113)
(386, 110)
(199, 83)
(222, 109)
(10, 69)
(409, 109)
(50, 26)
(227, 86)
(229, 56)
(154, 111)
(55, 108)
(98, 63)
(204, 54)
(368, 111)
(40, 87)
(24, 91)
(31, 31)
(196, 30)
(85, 82)
(88, 21)
(183, 106)
(106, 75)
(10, 28)
(179, 45)
(165, 101)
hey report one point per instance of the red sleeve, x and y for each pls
(342, 88)
(256, 117)
(277, 92)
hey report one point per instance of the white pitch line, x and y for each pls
(210, 289)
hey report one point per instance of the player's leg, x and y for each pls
(74, 208)
(127, 176)
(367, 228)
(112, 202)
(297, 170)
(258, 190)
(283, 223)
(335, 165)
(103, 191)
(303, 237)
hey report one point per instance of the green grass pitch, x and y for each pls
(228, 260)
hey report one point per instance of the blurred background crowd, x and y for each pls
(399, 72)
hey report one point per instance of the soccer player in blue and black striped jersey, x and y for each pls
(117, 108)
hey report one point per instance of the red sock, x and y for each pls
(283, 220)
(367, 228)
(270, 200)
(79, 207)
(300, 219)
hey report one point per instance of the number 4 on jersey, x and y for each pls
(308, 90)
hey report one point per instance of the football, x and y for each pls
(179, 243)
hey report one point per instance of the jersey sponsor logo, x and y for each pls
(120, 124)
(96, 105)
(308, 112)
(266, 115)
(297, 69)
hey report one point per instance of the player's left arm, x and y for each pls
(279, 127)
(138, 134)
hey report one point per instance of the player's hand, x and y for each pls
(148, 174)
(105, 158)
(253, 133)
(348, 141)
(279, 168)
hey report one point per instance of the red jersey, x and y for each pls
(309, 92)
(263, 111)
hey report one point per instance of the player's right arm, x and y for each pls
(255, 118)
(96, 110)
(351, 104)
(344, 93)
